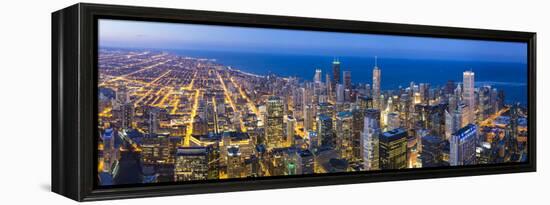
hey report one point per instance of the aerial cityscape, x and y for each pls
(176, 116)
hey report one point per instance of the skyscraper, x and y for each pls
(109, 151)
(484, 102)
(432, 151)
(191, 163)
(309, 116)
(449, 127)
(317, 77)
(347, 79)
(369, 139)
(324, 131)
(325, 108)
(340, 96)
(329, 87)
(335, 73)
(122, 95)
(424, 90)
(290, 126)
(463, 146)
(274, 123)
(153, 121)
(364, 102)
(393, 149)
(357, 127)
(376, 72)
(468, 95)
(462, 116)
(344, 137)
(155, 150)
(235, 163)
(393, 120)
(305, 162)
(127, 115)
(124, 105)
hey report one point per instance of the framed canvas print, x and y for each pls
(153, 101)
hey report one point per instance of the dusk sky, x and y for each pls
(155, 35)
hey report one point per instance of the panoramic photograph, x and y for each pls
(187, 102)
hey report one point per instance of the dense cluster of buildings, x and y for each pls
(166, 118)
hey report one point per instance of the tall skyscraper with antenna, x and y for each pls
(376, 72)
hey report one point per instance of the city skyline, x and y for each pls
(170, 117)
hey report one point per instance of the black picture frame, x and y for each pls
(74, 98)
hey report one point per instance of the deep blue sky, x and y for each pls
(137, 34)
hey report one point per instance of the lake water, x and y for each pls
(510, 77)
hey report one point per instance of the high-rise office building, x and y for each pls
(155, 150)
(450, 87)
(274, 123)
(344, 137)
(326, 109)
(127, 115)
(462, 115)
(458, 118)
(122, 95)
(449, 127)
(424, 91)
(340, 93)
(358, 123)
(393, 149)
(318, 75)
(484, 102)
(325, 131)
(374, 114)
(432, 151)
(191, 163)
(129, 164)
(494, 100)
(235, 163)
(305, 162)
(109, 151)
(376, 74)
(365, 102)
(393, 120)
(126, 107)
(200, 126)
(369, 139)
(463, 146)
(335, 73)
(309, 116)
(329, 86)
(468, 95)
(214, 161)
(290, 126)
(347, 79)
(152, 120)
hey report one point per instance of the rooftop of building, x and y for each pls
(344, 114)
(233, 151)
(191, 151)
(397, 132)
(463, 132)
(324, 117)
